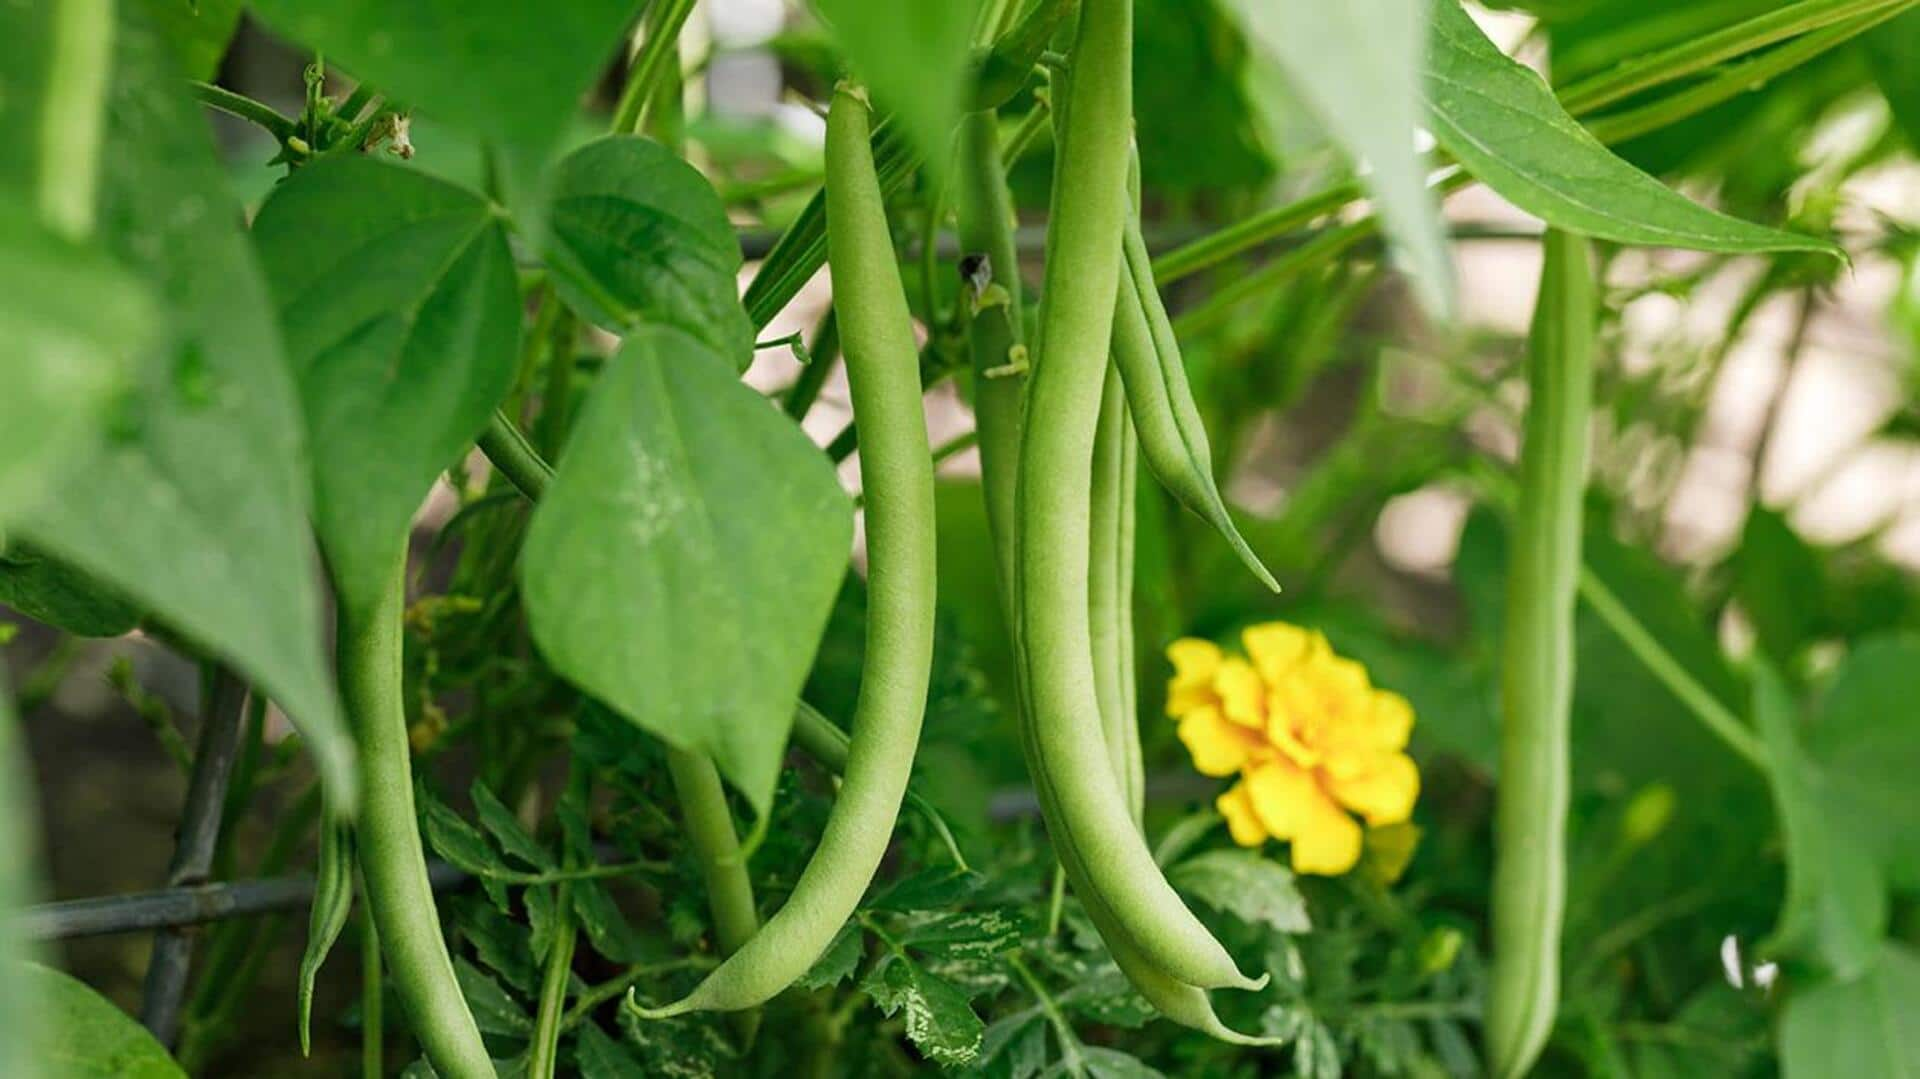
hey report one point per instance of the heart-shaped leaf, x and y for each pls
(683, 563)
(636, 235)
(396, 293)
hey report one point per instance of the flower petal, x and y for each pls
(1243, 697)
(1194, 663)
(1392, 720)
(1276, 648)
(1219, 748)
(1242, 822)
(1331, 847)
(1384, 793)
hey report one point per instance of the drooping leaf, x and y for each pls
(48, 590)
(83, 1036)
(609, 931)
(682, 565)
(72, 318)
(1251, 887)
(461, 844)
(509, 72)
(1835, 909)
(1863, 736)
(1357, 65)
(912, 56)
(196, 506)
(636, 235)
(940, 1022)
(1861, 1027)
(1501, 121)
(396, 293)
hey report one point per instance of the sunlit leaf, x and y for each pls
(84, 1036)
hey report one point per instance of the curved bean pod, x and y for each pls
(897, 470)
(1536, 684)
(392, 862)
(327, 915)
(1172, 438)
(1053, 507)
(1110, 591)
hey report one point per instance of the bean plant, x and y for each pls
(531, 457)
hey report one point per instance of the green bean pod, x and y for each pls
(332, 903)
(1536, 685)
(393, 864)
(1110, 591)
(897, 471)
(1172, 438)
(1052, 541)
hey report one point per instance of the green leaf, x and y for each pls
(196, 506)
(966, 934)
(48, 590)
(1501, 121)
(71, 317)
(83, 1036)
(1863, 736)
(1835, 909)
(493, 1008)
(600, 1057)
(1105, 1063)
(682, 566)
(397, 296)
(509, 72)
(913, 57)
(637, 235)
(506, 830)
(460, 844)
(1893, 51)
(198, 31)
(940, 1022)
(1357, 65)
(613, 937)
(1251, 887)
(838, 962)
(1779, 582)
(1858, 1028)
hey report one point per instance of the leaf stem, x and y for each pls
(1717, 717)
(280, 126)
(661, 27)
(509, 450)
(543, 1050)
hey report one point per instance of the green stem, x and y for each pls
(612, 989)
(716, 847)
(259, 113)
(1698, 699)
(1697, 54)
(543, 1051)
(1217, 247)
(822, 352)
(373, 1063)
(659, 46)
(73, 115)
(1069, 1041)
(508, 448)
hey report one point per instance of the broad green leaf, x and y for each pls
(20, 1010)
(48, 590)
(1863, 735)
(913, 57)
(71, 318)
(1357, 65)
(1501, 121)
(83, 1036)
(196, 506)
(966, 934)
(682, 566)
(198, 31)
(940, 1022)
(510, 72)
(1246, 884)
(1862, 1028)
(1835, 909)
(636, 235)
(396, 293)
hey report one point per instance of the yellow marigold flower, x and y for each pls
(1312, 742)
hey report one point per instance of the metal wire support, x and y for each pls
(223, 705)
